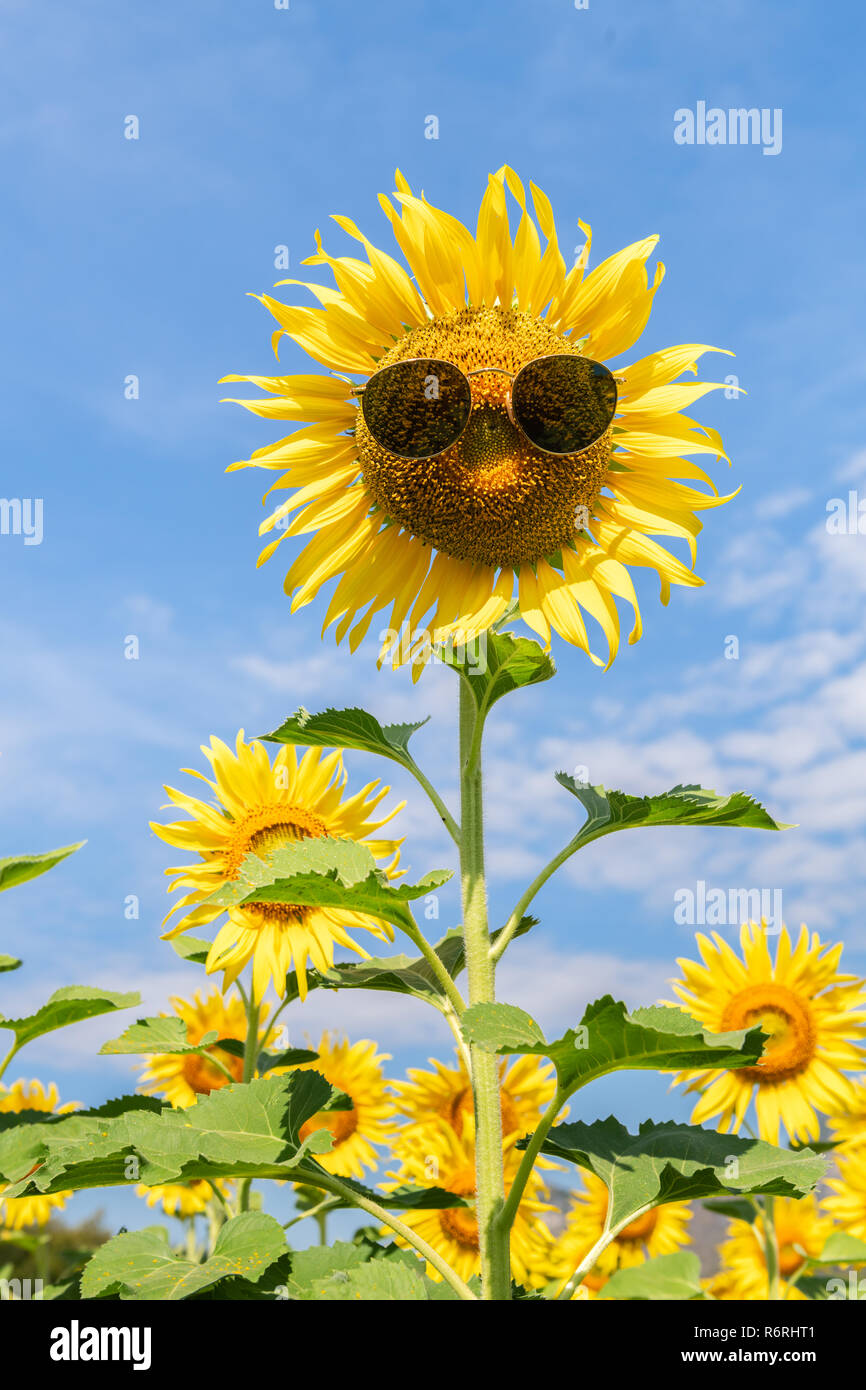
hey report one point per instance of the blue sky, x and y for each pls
(134, 258)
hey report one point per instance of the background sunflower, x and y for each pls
(260, 806)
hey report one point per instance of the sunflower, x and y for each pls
(438, 1157)
(260, 807)
(848, 1202)
(660, 1231)
(814, 1017)
(181, 1199)
(526, 1087)
(848, 1130)
(491, 519)
(800, 1231)
(182, 1079)
(355, 1069)
(18, 1212)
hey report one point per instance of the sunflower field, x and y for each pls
(461, 465)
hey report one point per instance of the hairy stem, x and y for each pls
(450, 990)
(537, 883)
(533, 1148)
(444, 814)
(480, 969)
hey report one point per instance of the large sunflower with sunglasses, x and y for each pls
(488, 455)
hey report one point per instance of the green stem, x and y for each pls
(270, 1030)
(444, 814)
(490, 1195)
(327, 1204)
(771, 1250)
(451, 991)
(251, 1045)
(322, 1224)
(251, 1052)
(453, 1020)
(513, 922)
(331, 1184)
(531, 1152)
(214, 1061)
(8, 1058)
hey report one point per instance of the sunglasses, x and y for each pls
(419, 408)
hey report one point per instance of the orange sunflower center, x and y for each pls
(492, 497)
(204, 1077)
(790, 1260)
(341, 1123)
(262, 830)
(640, 1230)
(459, 1222)
(788, 1020)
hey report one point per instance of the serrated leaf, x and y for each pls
(378, 1281)
(608, 811)
(841, 1248)
(22, 867)
(673, 1162)
(402, 974)
(141, 1264)
(292, 1057)
(72, 1004)
(676, 1276)
(501, 664)
(347, 728)
(9, 963)
(610, 1038)
(325, 872)
(161, 1034)
(320, 1262)
(237, 1131)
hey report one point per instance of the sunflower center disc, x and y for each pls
(779, 1012)
(492, 498)
(341, 1123)
(640, 1229)
(460, 1222)
(463, 1104)
(262, 830)
(203, 1077)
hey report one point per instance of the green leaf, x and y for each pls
(72, 1004)
(378, 1281)
(347, 728)
(358, 1271)
(841, 1248)
(671, 1162)
(191, 948)
(169, 1034)
(326, 872)
(676, 1276)
(292, 1057)
(500, 664)
(8, 963)
(22, 867)
(141, 1264)
(609, 1038)
(607, 811)
(401, 974)
(736, 1209)
(237, 1131)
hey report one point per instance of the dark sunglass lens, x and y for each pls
(563, 404)
(417, 409)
